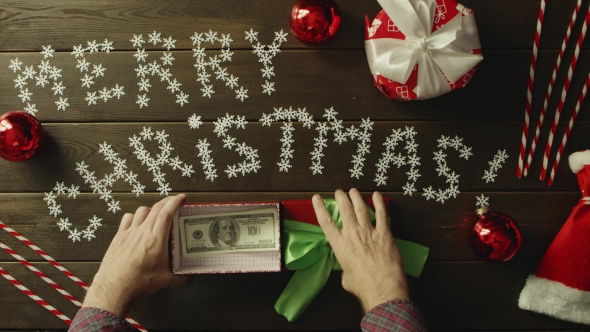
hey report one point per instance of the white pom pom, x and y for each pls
(577, 160)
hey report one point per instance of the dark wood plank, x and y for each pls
(67, 144)
(442, 228)
(501, 23)
(312, 79)
(453, 296)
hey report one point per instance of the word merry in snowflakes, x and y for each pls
(91, 72)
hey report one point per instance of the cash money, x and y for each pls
(205, 235)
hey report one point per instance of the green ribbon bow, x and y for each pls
(307, 251)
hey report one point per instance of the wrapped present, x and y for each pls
(420, 49)
(306, 250)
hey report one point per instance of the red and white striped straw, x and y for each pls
(550, 89)
(569, 130)
(40, 274)
(563, 96)
(36, 298)
(529, 95)
(59, 267)
(44, 255)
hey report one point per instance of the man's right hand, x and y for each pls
(371, 263)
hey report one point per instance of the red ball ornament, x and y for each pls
(495, 237)
(20, 136)
(315, 22)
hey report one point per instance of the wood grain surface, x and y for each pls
(457, 291)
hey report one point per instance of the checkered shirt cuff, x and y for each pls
(397, 315)
(93, 319)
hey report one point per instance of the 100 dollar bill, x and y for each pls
(211, 234)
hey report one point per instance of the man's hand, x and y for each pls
(371, 263)
(136, 263)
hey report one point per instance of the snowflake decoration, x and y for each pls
(83, 65)
(42, 80)
(207, 162)
(156, 68)
(64, 224)
(202, 63)
(29, 72)
(25, 95)
(268, 87)
(137, 41)
(142, 100)
(266, 54)
(287, 115)
(182, 99)
(389, 158)
(443, 169)
(31, 108)
(167, 59)
(163, 158)
(251, 162)
(495, 165)
(91, 98)
(251, 35)
(62, 103)
(482, 201)
(194, 121)
(242, 94)
(169, 43)
(20, 82)
(15, 64)
(58, 88)
(154, 37)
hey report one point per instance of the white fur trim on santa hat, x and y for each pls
(555, 299)
(578, 160)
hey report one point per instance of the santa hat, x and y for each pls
(560, 286)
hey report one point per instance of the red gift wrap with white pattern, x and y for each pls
(420, 49)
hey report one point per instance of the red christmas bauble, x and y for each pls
(20, 136)
(315, 22)
(495, 237)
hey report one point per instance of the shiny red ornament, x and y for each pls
(315, 22)
(20, 136)
(495, 237)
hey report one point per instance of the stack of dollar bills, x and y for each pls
(222, 233)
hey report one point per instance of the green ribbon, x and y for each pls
(306, 250)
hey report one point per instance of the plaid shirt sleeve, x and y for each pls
(397, 315)
(93, 319)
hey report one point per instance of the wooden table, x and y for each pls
(457, 291)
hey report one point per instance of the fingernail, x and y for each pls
(317, 198)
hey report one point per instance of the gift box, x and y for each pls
(233, 262)
(420, 49)
(306, 250)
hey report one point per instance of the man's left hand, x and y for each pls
(136, 262)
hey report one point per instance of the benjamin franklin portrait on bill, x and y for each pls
(224, 233)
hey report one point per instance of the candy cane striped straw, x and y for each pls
(35, 297)
(569, 130)
(40, 274)
(550, 89)
(529, 95)
(59, 267)
(563, 96)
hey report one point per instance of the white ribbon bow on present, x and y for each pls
(439, 54)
